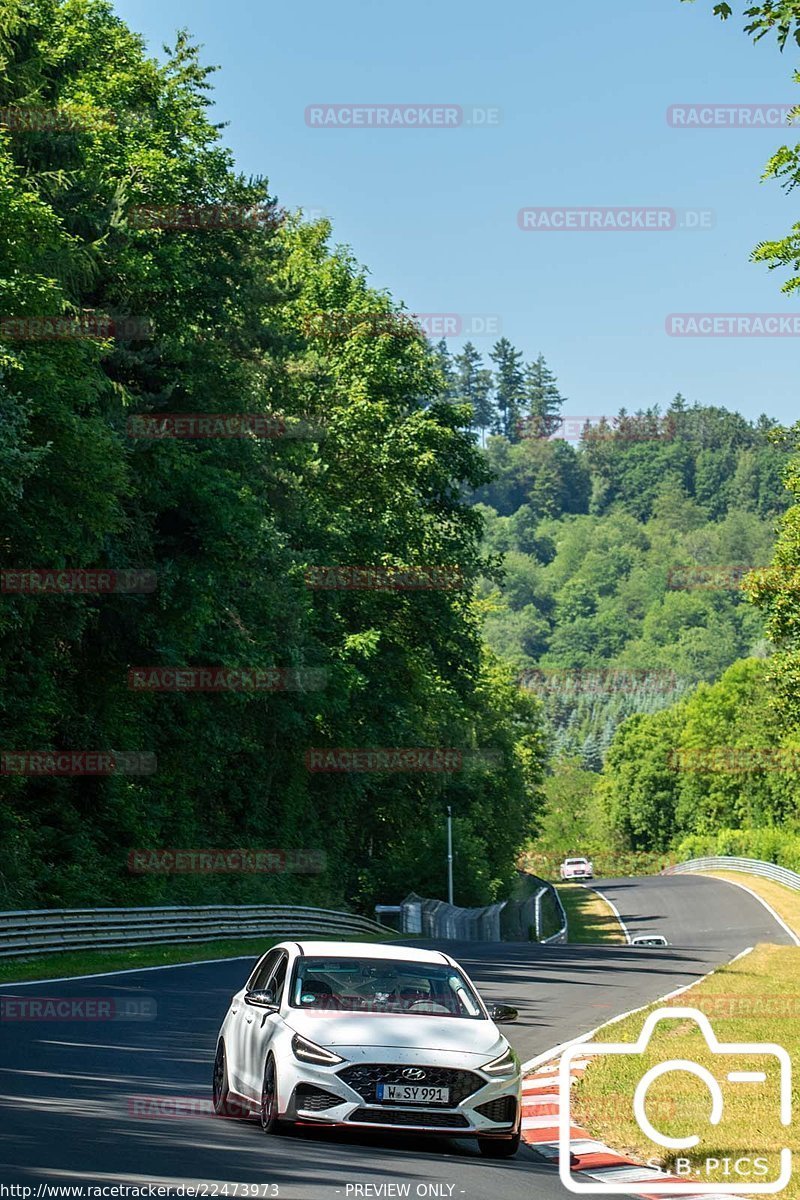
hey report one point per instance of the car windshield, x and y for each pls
(575, 862)
(384, 986)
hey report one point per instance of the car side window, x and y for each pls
(278, 978)
(258, 980)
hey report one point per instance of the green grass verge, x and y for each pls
(756, 999)
(589, 917)
(784, 900)
(92, 962)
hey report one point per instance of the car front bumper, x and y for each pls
(319, 1096)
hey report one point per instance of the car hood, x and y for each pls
(359, 1031)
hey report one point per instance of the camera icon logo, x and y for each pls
(739, 1077)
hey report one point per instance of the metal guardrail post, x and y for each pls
(563, 932)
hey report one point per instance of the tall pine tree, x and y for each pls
(444, 361)
(473, 385)
(543, 400)
(509, 380)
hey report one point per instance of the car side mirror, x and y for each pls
(261, 999)
(503, 1013)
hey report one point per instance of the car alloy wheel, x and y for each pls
(269, 1097)
(224, 1106)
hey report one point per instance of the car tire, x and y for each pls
(268, 1111)
(224, 1106)
(499, 1147)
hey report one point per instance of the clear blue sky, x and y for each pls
(582, 90)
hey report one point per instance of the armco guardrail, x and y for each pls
(750, 866)
(39, 931)
(549, 913)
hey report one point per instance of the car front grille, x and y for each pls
(395, 1116)
(502, 1110)
(314, 1099)
(365, 1078)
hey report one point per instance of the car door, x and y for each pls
(241, 1019)
(260, 1024)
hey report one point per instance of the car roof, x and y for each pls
(366, 950)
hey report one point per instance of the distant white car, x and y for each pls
(362, 1035)
(576, 868)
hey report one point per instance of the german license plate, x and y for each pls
(402, 1093)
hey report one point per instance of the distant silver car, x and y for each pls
(576, 868)
(363, 1035)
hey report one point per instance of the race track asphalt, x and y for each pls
(74, 1096)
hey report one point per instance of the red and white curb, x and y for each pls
(540, 1113)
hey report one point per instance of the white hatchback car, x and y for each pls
(363, 1035)
(576, 868)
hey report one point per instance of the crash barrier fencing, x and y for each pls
(539, 918)
(438, 919)
(41, 931)
(750, 866)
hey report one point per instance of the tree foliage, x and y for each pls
(229, 526)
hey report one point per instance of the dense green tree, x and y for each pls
(245, 317)
(776, 591)
(570, 821)
(715, 761)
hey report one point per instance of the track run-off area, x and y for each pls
(128, 1102)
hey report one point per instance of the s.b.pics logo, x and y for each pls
(707, 1141)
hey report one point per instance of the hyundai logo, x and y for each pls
(413, 1073)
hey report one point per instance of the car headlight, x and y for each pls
(310, 1052)
(504, 1064)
